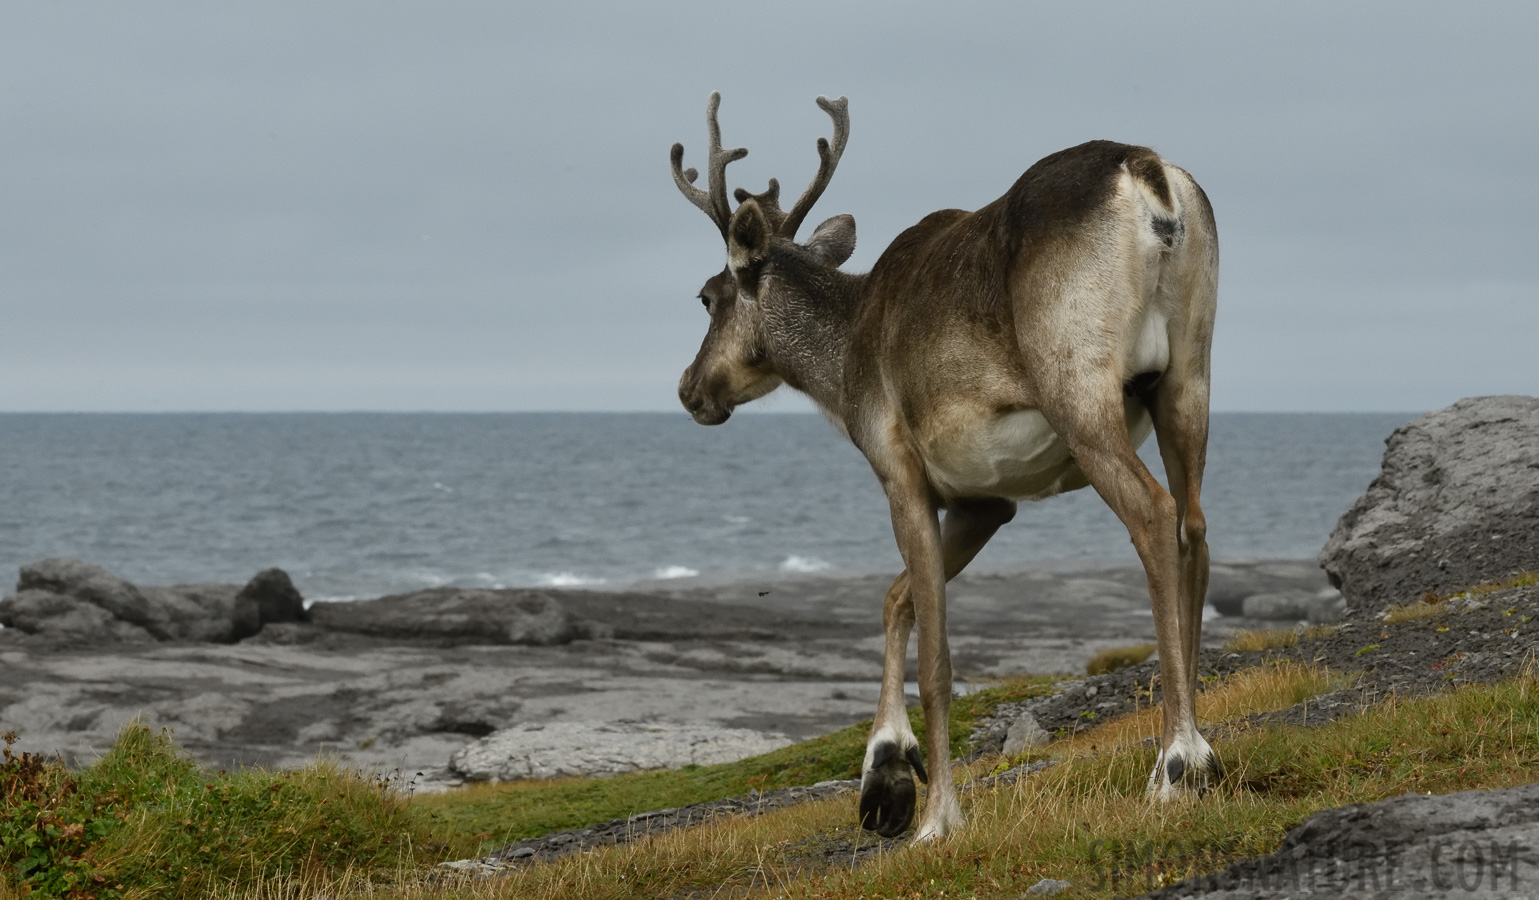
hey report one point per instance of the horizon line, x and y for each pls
(575, 412)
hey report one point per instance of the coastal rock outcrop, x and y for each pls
(456, 615)
(557, 749)
(1456, 503)
(1470, 844)
(70, 601)
(274, 596)
(85, 583)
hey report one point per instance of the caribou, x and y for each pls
(1011, 353)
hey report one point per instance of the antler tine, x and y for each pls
(828, 160)
(769, 202)
(713, 200)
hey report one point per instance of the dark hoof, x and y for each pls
(1209, 771)
(887, 789)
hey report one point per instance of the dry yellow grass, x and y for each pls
(1247, 641)
(1422, 609)
(1262, 689)
(1432, 604)
(1113, 658)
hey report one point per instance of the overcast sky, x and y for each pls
(467, 206)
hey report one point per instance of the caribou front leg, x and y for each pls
(892, 751)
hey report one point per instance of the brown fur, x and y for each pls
(1008, 353)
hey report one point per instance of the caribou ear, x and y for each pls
(834, 240)
(748, 234)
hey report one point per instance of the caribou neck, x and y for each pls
(809, 311)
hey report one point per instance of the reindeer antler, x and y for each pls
(785, 224)
(713, 200)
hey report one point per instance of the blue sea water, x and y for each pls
(364, 504)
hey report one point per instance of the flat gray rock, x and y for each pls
(206, 613)
(1474, 844)
(461, 615)
(564, 749)
(1024, 734)
(1456, 503)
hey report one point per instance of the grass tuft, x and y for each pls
(145, 821)
(1434, 604)
(1247, 692)
(1113, 658)
(1249, 641)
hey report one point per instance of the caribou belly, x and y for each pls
(1015, 455)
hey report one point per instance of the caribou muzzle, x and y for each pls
(702, 406)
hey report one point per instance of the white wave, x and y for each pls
(737, 520)
(336, 598)
(675, 572)
(803, 564)
(566, 579)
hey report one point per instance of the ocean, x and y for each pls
(363, 504)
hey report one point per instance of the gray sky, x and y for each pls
(467, 206)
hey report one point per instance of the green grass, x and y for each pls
(145, 821)
(489, 816)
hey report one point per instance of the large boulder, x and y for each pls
(61, 617)
(1456, 504)
(92, 584)
(454, 615)
(274, 596)
(561, 749)
(1465, 845)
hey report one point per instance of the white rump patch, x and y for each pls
(1151, 349)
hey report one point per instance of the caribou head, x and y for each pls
(737, 361)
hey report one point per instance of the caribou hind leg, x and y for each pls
(893, 758)
(1179, 407)
(1097, 437)
(1181, 425)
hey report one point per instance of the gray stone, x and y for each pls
(1047, 887)
(1473, 844)
(1281, 605)
(65, 618)
(276, 599)
(458, 615)
(1455, 504)
(1327, 607)
(92, 584)
(556, 749)
(206, 613)
(1024, 734)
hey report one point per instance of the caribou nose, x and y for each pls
(687, 394)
